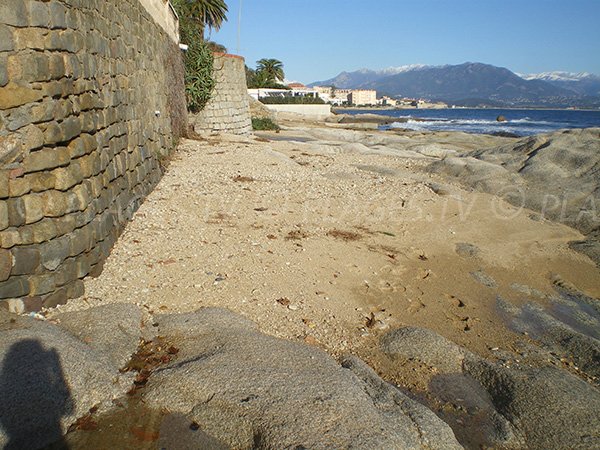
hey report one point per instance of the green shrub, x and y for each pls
(291, 100)
(264, 124)
(198, 59)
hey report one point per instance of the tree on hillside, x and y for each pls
(273, 68)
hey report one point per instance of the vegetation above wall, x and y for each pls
(194, 16)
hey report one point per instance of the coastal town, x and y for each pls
(344, 97)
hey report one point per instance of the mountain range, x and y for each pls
(475, 84)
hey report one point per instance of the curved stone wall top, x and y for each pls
(163, 13)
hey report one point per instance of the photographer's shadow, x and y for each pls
(34, 396)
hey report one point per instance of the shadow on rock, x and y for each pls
(34, 396)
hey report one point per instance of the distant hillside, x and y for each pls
(469, 84)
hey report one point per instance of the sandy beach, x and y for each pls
(326, 236)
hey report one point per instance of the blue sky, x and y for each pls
(317, 39)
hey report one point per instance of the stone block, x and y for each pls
(56, 67)
(3, 70)
(67, 272)
(43, 231)
(66, 224)
(18, 118)
(14, 12)
(29, 38)
(6, 264)
(38, 14)
(35, 67)
(58, 15)
(9, 238)
(14, 287)
(67, 177)
(18, 187)
(83, 145)
(26, 260)
(41, 181)
(81, 240)
(48, 158)
(75, 289)
(64, 131)
(16, 212)
(13, 95)
(3, 215)
(42, 112)
(54, 252)
(7, 43)
(32, 137)
(25, 304)
(58, 297)
(83, 194)
(34, 209)
(55, 203)
(41, 284)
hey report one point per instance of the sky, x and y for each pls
(318, 39)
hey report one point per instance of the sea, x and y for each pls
(519, 122)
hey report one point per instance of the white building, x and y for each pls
(360, 97)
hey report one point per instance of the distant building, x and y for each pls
(297, 86)
(387, 101)
(361, 97)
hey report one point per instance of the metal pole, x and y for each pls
(239, 27)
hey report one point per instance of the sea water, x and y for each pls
(521, 122)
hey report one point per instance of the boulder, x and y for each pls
(48, 379)
(114, 329)
(249, 390)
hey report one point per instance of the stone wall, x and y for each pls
(85, 118)
(228, 108)
(310, 111)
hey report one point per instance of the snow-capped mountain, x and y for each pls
(583, 83)
(475, 84)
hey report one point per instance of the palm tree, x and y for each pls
(204, 13)
(273, 68)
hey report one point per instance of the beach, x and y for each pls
(333, 237)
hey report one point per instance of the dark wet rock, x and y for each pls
(490, 404)
(500, 118)
(114, 329)
(590, 246)
(179, 432)
(506, 134)
(48, 379)
(467, 250)
(527, 290)
(483, 278)
(570, 328)
(551, 407)
(250, 390)
(471, 414)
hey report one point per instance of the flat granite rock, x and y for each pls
(48, 379)
(249, 390)
(507, 407)
(114, 329)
